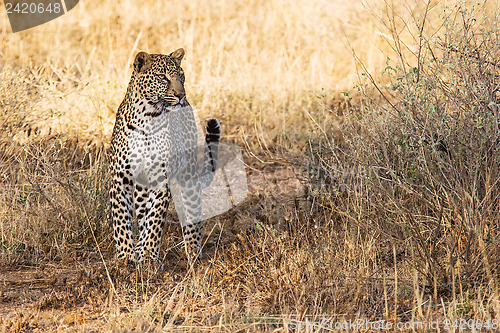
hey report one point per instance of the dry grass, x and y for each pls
(245, 63)
(380, 203)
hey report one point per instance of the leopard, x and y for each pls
(155, 155)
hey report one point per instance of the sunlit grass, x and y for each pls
(341, 219)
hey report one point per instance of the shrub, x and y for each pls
(419, 164)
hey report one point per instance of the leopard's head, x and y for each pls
(158, 78)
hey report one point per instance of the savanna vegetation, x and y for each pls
(370, 134)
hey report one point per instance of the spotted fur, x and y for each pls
(154, 145)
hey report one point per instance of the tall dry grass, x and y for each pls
(236, 53)
(380, 202)
(417, 169)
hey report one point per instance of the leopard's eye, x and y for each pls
(164, 77)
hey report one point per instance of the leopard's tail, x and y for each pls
(211, 154)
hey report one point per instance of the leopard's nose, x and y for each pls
(180, 95)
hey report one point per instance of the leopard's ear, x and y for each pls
(177, 55)
(142, 62)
